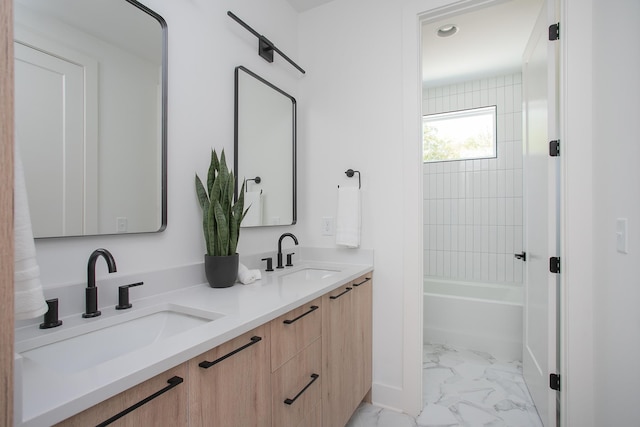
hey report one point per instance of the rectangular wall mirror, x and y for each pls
(91, 115)
(265, 150)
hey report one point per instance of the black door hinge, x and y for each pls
(554, 148)
(554, 32)
(554, 264)
(554, 382)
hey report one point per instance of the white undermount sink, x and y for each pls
(112, 338)
(309, 274)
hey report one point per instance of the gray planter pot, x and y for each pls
(221, 271)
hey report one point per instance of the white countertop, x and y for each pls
(44, 397)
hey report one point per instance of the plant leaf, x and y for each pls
(237, 216)
(222, 230)
(204, 204)
(222, 165)
(233, 236)
(214, 167)
(201, 192)
(211, 231)
(223, 179)
(214, 194)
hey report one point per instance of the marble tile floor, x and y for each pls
(461, 388)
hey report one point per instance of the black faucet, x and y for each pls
(91, 293)
(295, 239)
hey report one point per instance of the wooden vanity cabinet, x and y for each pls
(363, 335)
(310, 367)
(168, 408)
(346, 347)
(296, 363)
(230, 385)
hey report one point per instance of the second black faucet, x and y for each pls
(295, 239)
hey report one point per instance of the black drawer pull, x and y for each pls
(313, 378)
(340, 294)
(290, 321)
(207, 365)
(173, 382)
(363, 282)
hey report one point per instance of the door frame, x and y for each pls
(413, 14)
(576, 97)
(577, 365)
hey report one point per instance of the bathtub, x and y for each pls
(476, 316)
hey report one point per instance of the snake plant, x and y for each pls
(221, 217)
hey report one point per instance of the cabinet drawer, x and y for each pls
(314, 418)
(230, 385)
(293, 331)
(165, 403)
(296, 387)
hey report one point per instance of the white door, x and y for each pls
(51, 129)
(540, 95)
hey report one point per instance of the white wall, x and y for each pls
(205, 46)
(473, 219)
(616, 176)
(353, 119)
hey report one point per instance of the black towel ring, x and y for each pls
(349, 173)
(257, 180)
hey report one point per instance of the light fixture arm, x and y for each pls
(265, 46)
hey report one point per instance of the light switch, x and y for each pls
(122, 224)
(621, 235)
(328, 226)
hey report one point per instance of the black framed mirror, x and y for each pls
(265, 150)
(91, 115)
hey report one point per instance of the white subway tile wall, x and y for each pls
(473, 212)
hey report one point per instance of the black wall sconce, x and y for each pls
(265, 47)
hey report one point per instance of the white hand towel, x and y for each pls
(29, 299)
(348, 218)
(246, 276)
(253, 201)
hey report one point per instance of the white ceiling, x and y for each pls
(302, 5)
(489, 40)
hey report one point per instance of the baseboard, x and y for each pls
(388, 397)
(500, 348)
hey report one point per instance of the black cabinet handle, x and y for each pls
(290, 321)
(313, 378)
(173, 382)
(207, 365)
(340, 294)
(363, 282)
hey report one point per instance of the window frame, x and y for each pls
(467, 112)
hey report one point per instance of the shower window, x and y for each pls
(459, 135)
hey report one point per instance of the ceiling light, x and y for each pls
(447, 30)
